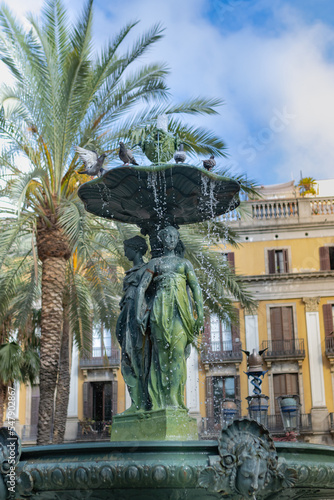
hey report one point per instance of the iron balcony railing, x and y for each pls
(329, 346)
(289, 348)
(97, 358)
(93, 431)
(221, 351)
(211, 429)
(275, 423)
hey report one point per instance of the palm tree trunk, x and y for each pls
(53, 282)
(3, 398)
(63, 385)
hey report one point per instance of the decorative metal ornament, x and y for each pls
(248, 467)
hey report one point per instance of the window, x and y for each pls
(100, 400)
(229, 257)
(281, 324)
(218, 388)
(101, 342)
(220, 334)
(222, 387)
(326, 255)
(278, 261)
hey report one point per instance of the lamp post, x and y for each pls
(290, 412)
(258, 408)
(229, 411)
(257, 402)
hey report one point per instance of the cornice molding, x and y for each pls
(317, 275)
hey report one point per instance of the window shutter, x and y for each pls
(271, 261)
(235, 327)
(231, 261)
(237, 386)
(276, 324)
(209, 398)
(87, 400)
(292, 383)
(325, 264)
(328, 319)
(286, 260)
(287, 323)
(279, 390)
(114, 385)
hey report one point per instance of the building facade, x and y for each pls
(286, 255)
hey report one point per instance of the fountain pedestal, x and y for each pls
(166, 424)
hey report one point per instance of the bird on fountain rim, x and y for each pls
(92, 161)
(126, 155)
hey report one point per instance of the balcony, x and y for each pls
(329, 347)
(93, 431)
(275, 424)
(284, 349)
(96, 359)
(211, 429)
(284, 211)
(217, 352)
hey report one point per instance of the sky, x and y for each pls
(270, 61)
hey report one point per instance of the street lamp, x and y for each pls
(229, 411)
(258, 408)
(290, 412)
(258, 402)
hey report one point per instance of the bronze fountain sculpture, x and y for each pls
(155, 452)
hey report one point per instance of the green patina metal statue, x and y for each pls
(132, 339)
(173, 326)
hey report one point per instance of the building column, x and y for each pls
(72, 412)
(128, 401)
(271, 389)
(319, 410)
(192, 385)
(252, 338)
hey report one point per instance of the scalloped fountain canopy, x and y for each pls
(160, 195)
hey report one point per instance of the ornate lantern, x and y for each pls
(258, 408)
(230, 411)
(290, 412)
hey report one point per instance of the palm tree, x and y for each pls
(19, 321)
(64, 94)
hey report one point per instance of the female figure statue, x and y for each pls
(172, 323)
(134, 343)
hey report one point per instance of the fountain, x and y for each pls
(154, 449)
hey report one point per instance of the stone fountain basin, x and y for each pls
(155, 470)
(178, 194)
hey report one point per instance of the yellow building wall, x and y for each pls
(22, 404)
(304, 254)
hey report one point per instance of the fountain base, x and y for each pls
(168, 424)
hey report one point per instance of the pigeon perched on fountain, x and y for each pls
(126, 155)
(93, 162)
(180, 156)
(210, 163)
